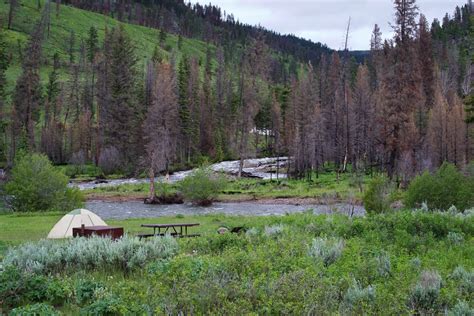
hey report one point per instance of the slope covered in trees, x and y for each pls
(132, 98)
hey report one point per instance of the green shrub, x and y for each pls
(445, 188)
(424, 296)
(36, 185)
(275, 230)
(202, 186)
(462, 308)
(357, 298)
(377, 197)
(38, 309)
(17, 287)
(383, 264)
(455, 238)
(326, 250)
(464, 279)
(84, 290)
(108, 305)
(128, 253)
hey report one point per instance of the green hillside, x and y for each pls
(79, 21)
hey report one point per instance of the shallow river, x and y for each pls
(136, 209)
(262, 168)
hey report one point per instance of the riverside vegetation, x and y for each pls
(395, 263)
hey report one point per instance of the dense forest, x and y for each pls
(406, 108)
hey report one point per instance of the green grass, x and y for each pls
(326, 188)
(274, 274)
(18, 228)
(79, 21)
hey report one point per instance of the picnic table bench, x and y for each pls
(179, 230)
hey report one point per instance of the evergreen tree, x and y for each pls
(92, 44)
(183, 109)
(162, 38)
(71, 47)
(121, 113)
(11, 13)
(27, 97)
(4, 63)
(180, 42)
(52, 89)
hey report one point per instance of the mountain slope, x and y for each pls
(79, 21)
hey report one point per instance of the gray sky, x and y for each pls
(325, 21)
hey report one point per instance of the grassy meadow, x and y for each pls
(297, 264)
(327, 188)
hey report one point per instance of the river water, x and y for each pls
(263, 168)
(137, 209)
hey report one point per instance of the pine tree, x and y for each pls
(11, 13)
(276, 127)
(180, 42)
(27, 97)
(120, 112)
(71, 47)
(402, 89)
(207, 144)
(184, 110)
(362, 119)
(92, 44)
(406, 12)
(254, 65)
(52, 89)
(160, 125)
(162, 38)
(4, 63)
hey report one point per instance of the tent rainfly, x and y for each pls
(76, 218)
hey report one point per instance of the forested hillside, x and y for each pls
(188, 84)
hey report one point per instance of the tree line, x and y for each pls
(404, 110)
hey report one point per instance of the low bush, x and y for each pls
(87, 254)
(377, 197)
(455, 238)
(33, 310)
(462, 308)
(16, 287)
(383, 264)
(326, 250)
(275, 230)
(424, 296)
(85, 289)
(357, 298)
(36, 185)
(109, 305)
(464, 279)
(202, 186)
(441, 190)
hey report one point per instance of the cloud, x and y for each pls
(326, 20)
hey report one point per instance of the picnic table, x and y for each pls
(179, 230)
(103, 231)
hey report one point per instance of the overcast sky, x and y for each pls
(325, 21)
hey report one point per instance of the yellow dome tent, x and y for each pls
(74, 219)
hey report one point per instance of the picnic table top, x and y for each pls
(170, 225)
